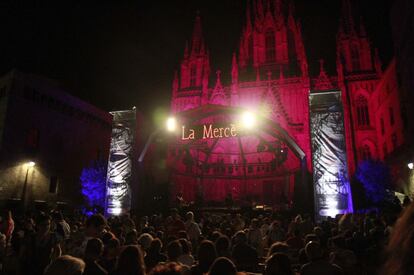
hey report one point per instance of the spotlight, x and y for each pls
(31, 164)
(171, 124)
(248, 120)
(410, 166)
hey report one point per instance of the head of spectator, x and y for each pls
(189, 216)
(66, 265)
(43, 224)
(222, 266)
(240, 237)
(174, 250)
(131, 261)
(167, 269)
(155, 246)
(145, 240)
(223, 245)
(206, 255)
(313, 251)
(94, 249)
(131, 238)
(278, 264)
(278, 247)
(95, 226)
(185, 245)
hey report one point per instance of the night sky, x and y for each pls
(117, 54)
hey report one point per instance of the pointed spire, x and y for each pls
(362, 31)
(347, 17)
(197, 39)
(175, 82)
(234, 70)
(218, 80)
(278, 8)
(248, 18)
(260, 10)
(186, 49)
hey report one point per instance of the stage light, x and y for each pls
(248, 120)
(31, 164)
(171, 124)
(410, 166)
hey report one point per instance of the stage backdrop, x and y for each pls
(330, 172)
(118, 189)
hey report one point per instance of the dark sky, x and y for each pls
(117, 54)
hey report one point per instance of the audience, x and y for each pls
(261, 243)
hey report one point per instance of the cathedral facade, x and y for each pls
(270, 73)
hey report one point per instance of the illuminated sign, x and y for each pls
(208, 131)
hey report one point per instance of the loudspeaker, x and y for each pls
(53, 184)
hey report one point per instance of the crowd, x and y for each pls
(208, 243)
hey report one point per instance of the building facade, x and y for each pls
(270, 74)
(61, 134)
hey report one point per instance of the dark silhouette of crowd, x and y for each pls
(215, 243)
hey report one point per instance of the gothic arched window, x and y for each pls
(270, 45)
(362, 111)
(355, 58)
(366, 152)
(193, 75)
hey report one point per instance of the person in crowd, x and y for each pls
(278, 247)
(62, 228)
(318, 264)
(295, 241)
(343, 257)
(223, 246)
(278, 264)
(245, 256)
(276, 233)
(7, 225)
(185, 258)
(192, 228)
(130, 262)
(39, 248)
(94, 228)
(206, 256)
(221, 266)
(93, 252)
(145, 241)
(174, 251)
(399, 251)
(65, 265)
(110, 255)
(131, 238)
(254, 236)
(154, 255)
(174, 224)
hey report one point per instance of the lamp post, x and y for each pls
(28, 165)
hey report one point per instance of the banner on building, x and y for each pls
(118, 189)
(330, 172)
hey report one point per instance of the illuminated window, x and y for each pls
(193, 75)
(362, 111)
(391, 111)
(270, 45)
(355, 57)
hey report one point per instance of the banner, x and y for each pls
(118, 190)
(330, 172)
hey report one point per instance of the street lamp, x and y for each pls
(29, 164)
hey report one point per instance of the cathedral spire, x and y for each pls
(260, 10)
(234, 70)
(347, 20)
(197, 39)
(248, 18)
(362, 31)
